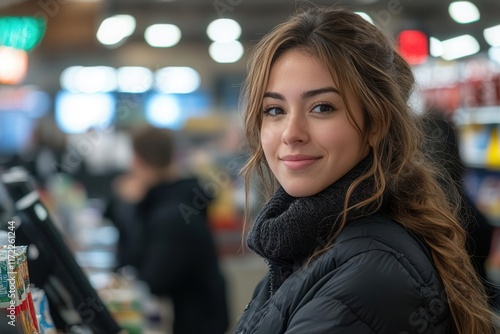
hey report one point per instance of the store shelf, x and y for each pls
(478, 115)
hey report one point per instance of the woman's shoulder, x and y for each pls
(379, 271)
(377, 234)
(377, 253)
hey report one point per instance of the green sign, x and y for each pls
(21, 32)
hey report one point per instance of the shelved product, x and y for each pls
(15, 294)
(469, 92)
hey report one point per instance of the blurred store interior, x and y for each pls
(77, 75)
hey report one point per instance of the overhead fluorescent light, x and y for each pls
(92, 79)
(134, 79)
(492, 35)
(435, 47)
(228, 52)
(459, 47)
(463, 12)
(116, 28)
(162, 35)
(224, 30)
(494, 54)
(177, 79)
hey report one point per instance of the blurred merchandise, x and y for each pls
(484, 188)
(42, 308)
(73, 301)
(15, 293)
(469, 93)
(124, 299)
(132, 305)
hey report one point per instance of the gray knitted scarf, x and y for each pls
(288, 229)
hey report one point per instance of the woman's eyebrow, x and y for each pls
(314, 92)
(304, 95)
(274, 95)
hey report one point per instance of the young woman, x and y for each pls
(358, 234)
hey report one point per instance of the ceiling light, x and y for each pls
(435, 47)
(67, 80)
(177, 79)
(93, 79)
(116, 28)
(162, 35)
(365, 16)
(134, 79)
(463, 12)
(492, 35)
(228, 52)
(460, 46)
(224, 30)
(494, 54)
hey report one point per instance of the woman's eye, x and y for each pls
(321, 108)
(273, 111)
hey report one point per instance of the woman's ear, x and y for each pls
(371, 140)
(378, 129)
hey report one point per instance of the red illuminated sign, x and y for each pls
(413, 46)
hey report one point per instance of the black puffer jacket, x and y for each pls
(378, 278)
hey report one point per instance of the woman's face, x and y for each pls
(306, 136)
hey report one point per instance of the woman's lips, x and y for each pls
(295, 162)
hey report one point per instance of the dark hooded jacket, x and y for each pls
(168, 240)
(377, 278)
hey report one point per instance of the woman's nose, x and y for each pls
(295, 130)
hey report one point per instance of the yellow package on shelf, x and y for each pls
(493, 150)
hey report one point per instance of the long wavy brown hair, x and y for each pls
(361, 59)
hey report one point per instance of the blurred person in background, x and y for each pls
(161, 216)
(359, 235)
(443, 146)
(44, 152)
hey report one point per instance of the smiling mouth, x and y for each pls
(298, 162)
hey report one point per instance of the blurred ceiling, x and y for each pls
(72, 24)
